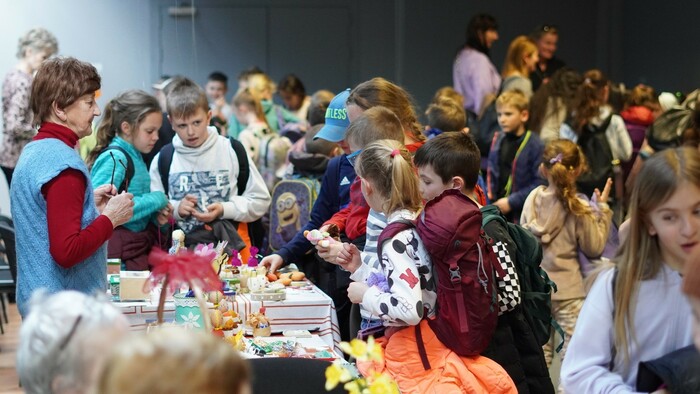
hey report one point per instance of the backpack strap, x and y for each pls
(390, 231)
(243, 167)
(165, 158)
(421, 348)
(129, 166)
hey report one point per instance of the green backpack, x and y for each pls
(536, 287)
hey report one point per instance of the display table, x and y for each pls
(304, 309)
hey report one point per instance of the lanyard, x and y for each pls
(509, 184)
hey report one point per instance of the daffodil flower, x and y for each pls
(336, 373)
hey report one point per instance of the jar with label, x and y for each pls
(114, 286)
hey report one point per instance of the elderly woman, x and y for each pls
(34, 47)
(61, 223)
(64, 340)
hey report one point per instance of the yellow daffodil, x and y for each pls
(356, 348)
(383, 384)
(354, 387)
(374, 350)
(336, 373)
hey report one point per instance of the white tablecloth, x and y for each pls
(304, 309)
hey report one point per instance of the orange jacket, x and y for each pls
(448, 373)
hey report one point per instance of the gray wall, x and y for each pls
(336, 44)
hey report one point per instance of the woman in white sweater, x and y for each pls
(636, 312)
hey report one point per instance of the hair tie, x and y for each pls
(556, 159)
(395, 152)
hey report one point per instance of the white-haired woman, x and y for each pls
(64, 340)
(34, 47)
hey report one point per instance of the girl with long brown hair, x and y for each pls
(636, 311)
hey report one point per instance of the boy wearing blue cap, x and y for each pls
(333, 196)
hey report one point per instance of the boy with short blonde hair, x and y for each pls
(515, 156)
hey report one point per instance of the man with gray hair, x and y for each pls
(64, 339)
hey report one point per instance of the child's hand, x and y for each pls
(349, 258)
(165, 214)
(188, 205)
(503, 205)
(357, 290)
(330, 253)
(214, 211)
(603, 197)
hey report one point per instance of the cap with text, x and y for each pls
(336, 119)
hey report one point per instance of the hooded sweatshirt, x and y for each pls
(562, 235)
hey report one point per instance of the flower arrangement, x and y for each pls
(374, 383)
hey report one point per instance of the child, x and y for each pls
(591, 115)
(445, 115)
(636, 311)
(452, 161)
(216, 88)
(379, 91)
(267, 149)
(566, 223)
(204, 364)
(293, 94)
(641, 108)
(448, 92)
(390, 186)
(129, 128)
(262, 87)
(202, 178)
(357, 222)
(514, 158)
(333, 196)
(521, 60)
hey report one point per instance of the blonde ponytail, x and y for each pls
(400, 189)
(563, 160)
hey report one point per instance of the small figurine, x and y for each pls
(178, 242)
(259, 323)
(316, 237)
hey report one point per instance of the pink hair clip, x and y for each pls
(395, 152)
(556, 159)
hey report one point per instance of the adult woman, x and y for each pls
(129, 128)
(521, 60)
(545, 37)
(34, 47)
(64, 340)
(61, 223)
(473, 74)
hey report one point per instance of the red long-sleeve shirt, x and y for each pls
(65, 196)
(353, 218)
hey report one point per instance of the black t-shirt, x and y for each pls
(537, 76)
(509, 147)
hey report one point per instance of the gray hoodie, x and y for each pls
(562, 234)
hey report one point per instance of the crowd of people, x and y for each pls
(538, 165)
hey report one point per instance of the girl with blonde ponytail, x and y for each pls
(566, 222)
(128, 129)
(636, 311)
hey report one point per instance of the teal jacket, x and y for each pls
(273, 113)
(146, 203)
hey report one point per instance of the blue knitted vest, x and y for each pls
(40, 162)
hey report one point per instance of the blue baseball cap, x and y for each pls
(336, 119)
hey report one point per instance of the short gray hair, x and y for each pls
(52, 355)
(37, 38)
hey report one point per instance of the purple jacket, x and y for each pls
(474, 76)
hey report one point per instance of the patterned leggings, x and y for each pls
(565, 312)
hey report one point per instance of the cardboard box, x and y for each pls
(131, 285)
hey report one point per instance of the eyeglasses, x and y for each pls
(71, 334)
(352, 158)
(126, 178)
